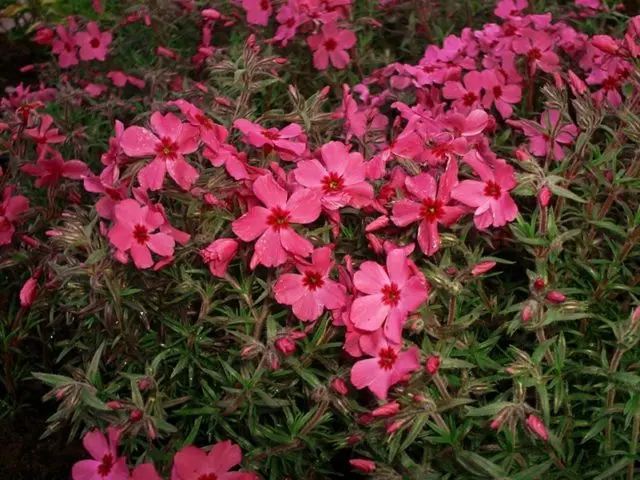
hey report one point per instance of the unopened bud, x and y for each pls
(433, 364)
(339, 386)
(395, 426)
(544, 196)
(605, 44)
(136, 415)
(285, 345)
(482, 267)
(527, 313)
(578, 87)
(114, 404)
(537, 427)
(539, 284)
(144, 384)
(363, 465)
(556, 297)
(354, 439)
(387, 410)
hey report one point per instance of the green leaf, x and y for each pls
(615, 468)
(533, 472)
(53, 380)
(488, 410)
(484, 465)
(92, 401)
(563, 192)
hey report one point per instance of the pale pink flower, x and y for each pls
(193, 463)
(389, 295)
(65, 46)
(258, 11)
(169, 142)
(11, 209)
(106, 464)
(273, 224)
(134, 231)
(339, 179)
(219, 254)
(431, 209)
(311, 291)
(282, 141)
(489, 195)
(50, 170)
(93, 43)
(387, 367)
(331, 45)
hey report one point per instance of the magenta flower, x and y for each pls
(11, 209)
(219, 254)
(548, 136)
(65, 47)
(431, 208)
(169, 142)
(489, 195)
(50, 170)
(210, 132)
(331, 45)
(282, 141)
(311, 291)
(106, 464)
(510, 8)
(93, 43)
(538, 48)
(273, 224)
(389, 295)
(339, 179)
(193, 463)
(258, 11)
(465, 94)
(44, 134)
(112, 192)
(500, 94)
(134, 230)
(387, 367)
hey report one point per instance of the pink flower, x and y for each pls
(210, 132)
(499, 93)
(390, 295)
(490, 195)
(387, 367)
(145, 471)
(192, 463)
(219, 254)
(282, 141)
(171, 141)
(134, 229)
(44, 135)
(433, 364)
(331, 44)
(538, 48)
(431, 209)
(112, 192)
(43, 36)
(29, 292)
(258, 11)
(537, 427)
(548, 135)
(339, 179)
(481, 268)
(363, 465)
(273, 223)
(311, 291)
(11, 209)
(50, 170)
(65, 47)
(466, 94)
(93, 43)
(106, 464)
(510, 8)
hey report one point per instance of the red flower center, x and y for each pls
(208, 476)
(141, 234)
(492, 189)
(387, 358)
(68, 47)
(497, 91)
(441, 150)
(469, 99)
(105, 467)
(312, 280)
(167, 148)
(390, 294)
(271, 135)
(431, 210)
(332, 183)
(610, 83)
(509, 31)
(330, 45)
(534, 54)
(290, 23)
(264, 5)
(204, 121)
(95, 43)
(428, 69)
(278, 219)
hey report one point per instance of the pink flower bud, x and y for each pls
(544, 196)
(377, 224)
(605, 43)
(433, 364)
(165, 52)
(635, 316)
(286, 345)
(363, 465)
(365, 419)
(556, 297)
(30, 241)
(274, 362)
(222, 101)
(219, 254)
(482, 267)
(210, 14)
(339, 386)
(394, 426)
(281, 60)
(325, 91)
(211, 199)
(557, 80)
(496, 423)
(136, 415)
(151, 430)
(29, 292)
(353, 439)
(522, 155)
(537, 427)
(114, 404)
(539, 284)
(387, 410)
(27, 68)
(249, 351)
(375, 243)
(144, 384)
(526, 313)
(578, 87)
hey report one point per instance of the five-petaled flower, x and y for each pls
(331, 45)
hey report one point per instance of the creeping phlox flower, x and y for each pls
(12, 208)
(106, 464)
(193, 463)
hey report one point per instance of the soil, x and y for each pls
(24, 457)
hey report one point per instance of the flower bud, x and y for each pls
(29, 292)
(354, 439)
(544, 196)
(556, 297)
(363, 465)
(136, 415)
(144, 384)
(482, 267)
(605, 44)
(285, 345)
(339, 386)
(433, 364)
(522, 155)
(526, 313)
(387, 410)
(114, 404)
(537, 427)
(539, 284)
(635, 317)
(377, 224)
(395, 426)
(578, 87)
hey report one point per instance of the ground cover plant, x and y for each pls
(315, 239)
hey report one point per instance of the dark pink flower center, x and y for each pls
(95, 43)
(312, 280)
(497, 91)
(431, 210)
(492, 189)
(509, 31)
(290, 23)
(141, 234)
(469, 99)
(428, 69)
(330, 45)
(68, 47)
(167, 148)
(390, 294)
(441, 150)
(264, 5)
(105, 467)
(610, 83)
(387, 358)
(332, 183)
(278, 219)
(204, 121)
(208, 476)
(271, 135)
(534, 54)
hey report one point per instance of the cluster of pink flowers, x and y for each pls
(71, 46)
(190, 463)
